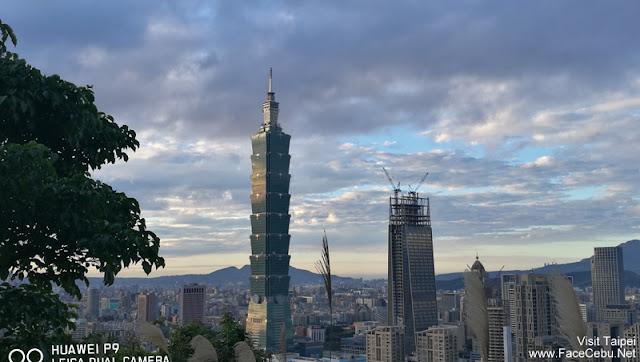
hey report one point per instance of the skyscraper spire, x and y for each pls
(270, 108)
(271, 96)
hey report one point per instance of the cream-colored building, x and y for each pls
(439, 344)
(385, 344)
(498, 319)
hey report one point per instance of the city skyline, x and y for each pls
(524, 117)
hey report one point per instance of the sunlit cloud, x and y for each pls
(525, 118)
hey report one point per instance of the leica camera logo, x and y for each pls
(32, 355)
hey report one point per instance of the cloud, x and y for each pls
(514, 110)
(540, 162)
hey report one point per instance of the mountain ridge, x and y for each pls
(630, 257)
(229, 277)
(239, 277)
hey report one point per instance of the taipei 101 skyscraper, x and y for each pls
(269, 309)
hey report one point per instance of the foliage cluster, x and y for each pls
(223, 340)
(56, 222)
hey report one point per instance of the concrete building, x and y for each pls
(633, 332)
(534, 313)
(508, 344)
(509, 282)
(439, 344)
(166, 311)
(386, 344)
(315, 333)
(104, 303)
(356, 345)
(192, 304)
(412, 289)
(124, 301)
(296, 357)
(600, 330)
(497, 321)
(308, 348)
(364, 327)
(146, 307)
(269, 308)
(92, 308)
(583, 311)
(607, 279)
(621, 314)
(450, 300)
(449, 308)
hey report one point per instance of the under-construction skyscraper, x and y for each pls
(412, 286)
(269, 309)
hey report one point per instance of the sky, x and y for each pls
(524, 114)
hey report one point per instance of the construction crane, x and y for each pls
(415, 190)
(396, 188)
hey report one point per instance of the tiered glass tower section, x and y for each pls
(269, 310)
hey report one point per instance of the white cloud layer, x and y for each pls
(525, 116)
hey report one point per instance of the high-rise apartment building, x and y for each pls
(535, 313)
(385, 344)
(607, 278)
(497, 319)
(509, 282)
(269, 309)
(412, 287)
(439, 344)
(192, 304)
(146, 307)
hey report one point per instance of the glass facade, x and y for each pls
(412, 286)
(269, 309)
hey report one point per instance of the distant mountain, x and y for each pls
(630, 256)
(581, 279)
(232, 276)
(580, 270)
(228, 277)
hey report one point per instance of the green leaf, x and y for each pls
(146, 266)
(61, 220)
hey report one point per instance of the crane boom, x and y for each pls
(421, 181)
(396, 188)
